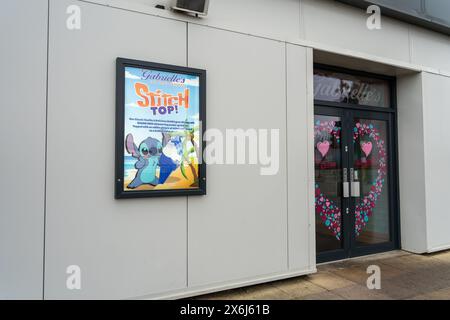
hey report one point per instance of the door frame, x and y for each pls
(350, 249)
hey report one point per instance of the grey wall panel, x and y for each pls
(269, 18)
(23, 65)
(260, 17)
(125, 248)
(436, 93)
(300, 166)
(340, 25)
(325, 24)
(411, 163)
(430, 49)
(239, 230)
(430, 14)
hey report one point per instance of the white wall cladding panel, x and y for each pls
(23, 63)
(339, 25)
(436, 93)
(124, 248)
(239, 230)
(412, 163)
(430, 49)
(322, 23)
(277, 19)
(300, 167)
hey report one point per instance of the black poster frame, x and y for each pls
(120, 193)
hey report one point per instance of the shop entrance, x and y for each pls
(356, 199)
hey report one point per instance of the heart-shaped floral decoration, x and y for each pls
(364, 208)
(366, 147)
(328, 211)
(323, 147)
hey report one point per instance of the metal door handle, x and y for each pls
(355, 185)
(356, 189)
(346, 189)
(345, 184)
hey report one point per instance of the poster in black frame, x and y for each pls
(160, 124)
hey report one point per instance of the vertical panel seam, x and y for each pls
(306, 64)
(45, 153)
(425, 157)
(287, 155)
(187, 197)
(309, 67)
(410, 45)
(301, 20)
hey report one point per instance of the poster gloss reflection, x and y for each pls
(160, 123)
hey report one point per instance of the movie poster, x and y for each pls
(162, 130)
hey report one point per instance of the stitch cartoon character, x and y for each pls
(147, 156)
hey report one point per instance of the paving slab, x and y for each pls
(357, 292)
(326, 295)
(444, 256)
(265, 292)
(234, 294)
(403, 276)
(298, 287)
(356, 274)
(329, 280)
(443, 294)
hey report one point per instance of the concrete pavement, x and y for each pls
(403, 276)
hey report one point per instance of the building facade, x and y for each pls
(361, 117)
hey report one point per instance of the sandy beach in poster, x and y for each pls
(176, 179)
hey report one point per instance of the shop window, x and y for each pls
(339, 87)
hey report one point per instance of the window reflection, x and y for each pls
(328, 179)
(345, 88)
(370, 165)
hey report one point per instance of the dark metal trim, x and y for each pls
(391, 82)
(346, 112)
(421, 21)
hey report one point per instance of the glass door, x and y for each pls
(371, 182)
(353, 183)
(331, 184)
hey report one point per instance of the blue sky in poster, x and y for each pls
(134, 111)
